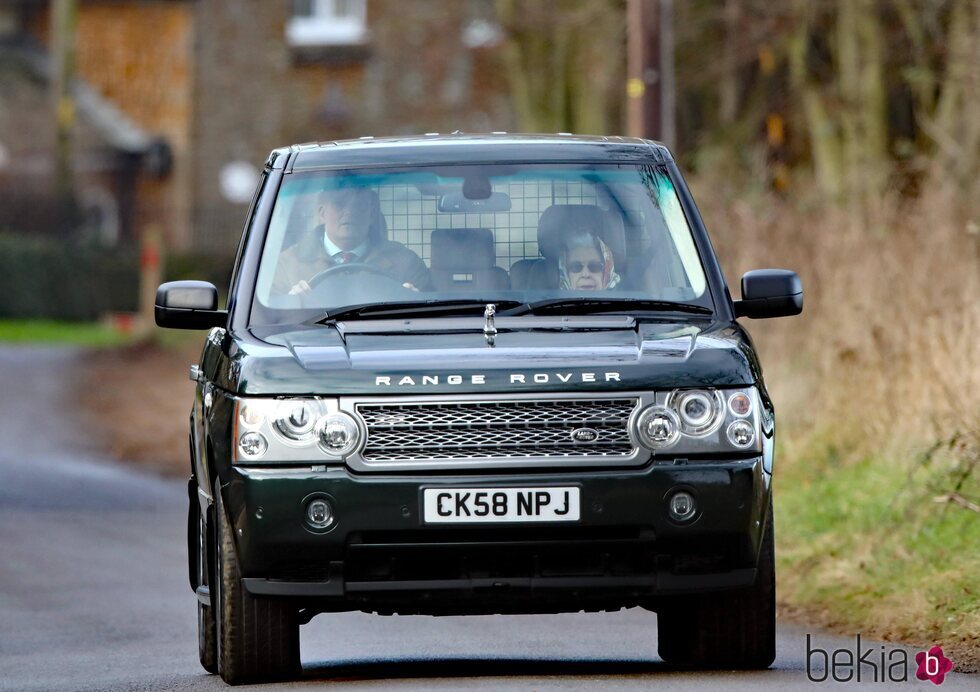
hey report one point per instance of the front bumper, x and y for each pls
(380, 555)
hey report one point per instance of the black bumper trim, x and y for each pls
(293, 589)
(658, 583)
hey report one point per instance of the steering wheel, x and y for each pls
(350, 268)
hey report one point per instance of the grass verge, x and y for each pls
(864, 547)
(90, 334)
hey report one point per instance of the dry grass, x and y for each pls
(877, 386)
(887, 351)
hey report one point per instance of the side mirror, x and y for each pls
(770, 293)
(188, 305)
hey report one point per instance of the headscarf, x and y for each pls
(609, 276)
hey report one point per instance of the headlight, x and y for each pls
(700, 421)
(658, 427)
(296, 419)
(301, 430)
(701, 412)
(337, 434)
(741, 434)
(253, 445)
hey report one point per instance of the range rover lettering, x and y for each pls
(470, 374)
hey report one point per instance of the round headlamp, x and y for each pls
(700, 411)
(741, 433)
(253, 445)
(658, 427)
(337, 434)
(296, 420)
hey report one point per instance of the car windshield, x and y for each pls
(517, 235)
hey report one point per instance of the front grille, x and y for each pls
(505, 430)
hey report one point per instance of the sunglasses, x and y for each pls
(593, 267)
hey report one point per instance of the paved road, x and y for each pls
(94, 595)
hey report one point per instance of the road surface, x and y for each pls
(94, 593)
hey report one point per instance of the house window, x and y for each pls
(327, 23)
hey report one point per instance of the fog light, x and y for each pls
(319, 513)
(741, 433)
(681, 506)
(253, 445)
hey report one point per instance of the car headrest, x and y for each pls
(559, 219)
(462, 249)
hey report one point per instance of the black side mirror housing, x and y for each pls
(188, 305)
(770, 293)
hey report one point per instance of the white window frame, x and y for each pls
(326, 25)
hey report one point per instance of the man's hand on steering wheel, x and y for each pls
(302, 287)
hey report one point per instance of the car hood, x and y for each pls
(404, 358)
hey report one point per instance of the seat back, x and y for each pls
(465, 259)
(557, 220)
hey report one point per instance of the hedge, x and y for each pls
(43, 277)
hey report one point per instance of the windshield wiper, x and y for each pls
(584, 306)
(417, 308)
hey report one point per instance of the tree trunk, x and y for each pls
(825, 147)
(562, 60)
(728, 84)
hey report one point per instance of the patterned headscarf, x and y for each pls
(609, 276)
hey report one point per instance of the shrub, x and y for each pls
(44, 277)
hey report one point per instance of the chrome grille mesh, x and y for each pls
(496, 430)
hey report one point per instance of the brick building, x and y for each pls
(221, 82)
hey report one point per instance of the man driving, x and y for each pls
(350, 229)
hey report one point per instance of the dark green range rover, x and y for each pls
(479, 374)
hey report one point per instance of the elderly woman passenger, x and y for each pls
(586, 263)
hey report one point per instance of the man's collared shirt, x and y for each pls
(333, 251)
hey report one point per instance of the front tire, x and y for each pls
(735, 629)
(206, 626)
(257, 638)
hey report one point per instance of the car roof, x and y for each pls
(457, 148)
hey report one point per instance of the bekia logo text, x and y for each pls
(873, 664)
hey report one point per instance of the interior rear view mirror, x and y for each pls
(456, 202)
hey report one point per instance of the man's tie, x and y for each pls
(345, 257)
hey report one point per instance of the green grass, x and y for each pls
(65, 333)
(864, 543)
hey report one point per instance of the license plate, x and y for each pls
(474, 505)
